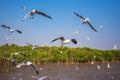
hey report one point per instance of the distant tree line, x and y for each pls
(54, 54)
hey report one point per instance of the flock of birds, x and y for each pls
(30, 15)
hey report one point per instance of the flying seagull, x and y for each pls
(101, 26)
(24, 8)
(88, 38)
(33, 46)
(65, 41)
(108, 65)
(33, 12)
(27, 63)
(11, 29)
(17, 53)
(86, 21)
(98, 67)
(5, 26)
(115, 47)
(76, 32)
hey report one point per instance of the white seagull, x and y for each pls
(98, 67)
(115, 46)
(86, 21)
(11, 29)
(65, 41)
(108, 65)
(33, 12)
(76, 32)
(88, 38)
(41, 78)
(27, 63)
(17, 53)
(101, 26)
(33, 46)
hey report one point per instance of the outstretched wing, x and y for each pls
(25, 16)
(79, 15)
(91, 26)
(18, 31)
(74, 41)
(43, 14)
(5, 26)
(29, 44)
(35, 68)
(24, 8)
(61, 38)
(17, 53)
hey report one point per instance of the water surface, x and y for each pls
(84, 71)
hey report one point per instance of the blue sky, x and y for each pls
(41, 31)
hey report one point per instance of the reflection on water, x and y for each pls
(64, 72)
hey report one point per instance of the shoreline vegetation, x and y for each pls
(56, 55)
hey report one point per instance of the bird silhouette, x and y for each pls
(86, 21)
(33, 12)
(65, 41)
(11, 30)
(27, 63)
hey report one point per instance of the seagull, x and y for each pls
(115, 47)
(98, 67)
(88, 38)
(33, 46)
(65, 41)
(33, 12)
(24, 8)
(17, 53)
(108, 65)
(16, 60)
(27, 63)
(5, 26)
(11, 30)
(76, 67)
(76, 32)
(86, 21)
(92, 62)
(41, 78)
(101, 26)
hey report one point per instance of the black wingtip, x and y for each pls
(37, 72)
(50, 18)
(75, 13)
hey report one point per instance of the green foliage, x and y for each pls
(56, 54)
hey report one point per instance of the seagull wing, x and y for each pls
(29, 44)
(35, 68)
(61, 38)
(42, 78)
(43, 14)
(74, 41)
(26, 16)
(79, 15)
(18, 31)
(91, 26)
(5, 26)
(24, 8)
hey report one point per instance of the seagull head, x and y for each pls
(33, 10)
(86, 19)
